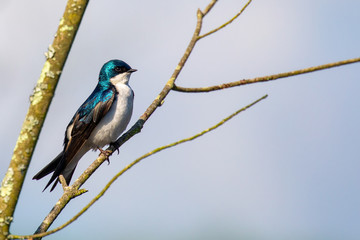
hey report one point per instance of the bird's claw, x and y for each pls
(106, 153)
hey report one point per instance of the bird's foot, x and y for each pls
(107, 153)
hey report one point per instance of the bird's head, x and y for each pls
(115, 71)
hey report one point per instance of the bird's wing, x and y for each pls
(81, 126)
(84, 123)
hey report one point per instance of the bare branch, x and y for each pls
(102, 192)
(266, 78)
(227, 23)
(63, 201)
(209, 7)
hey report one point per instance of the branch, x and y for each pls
(102, 192)
(266, 78)
(158, 101)
(39, 104)
(209, 7)
(227, 23)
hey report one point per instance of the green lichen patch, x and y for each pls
(7, 185)
(50, 53)
(37, 95)
(66, 28)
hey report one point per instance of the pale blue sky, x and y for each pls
(286, 169)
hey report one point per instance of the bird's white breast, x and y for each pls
(116, 120)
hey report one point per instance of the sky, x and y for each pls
(286, 168)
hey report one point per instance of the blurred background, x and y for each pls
(288, 168)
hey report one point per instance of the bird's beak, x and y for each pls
(132, 70)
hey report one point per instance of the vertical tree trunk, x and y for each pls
(39, 103)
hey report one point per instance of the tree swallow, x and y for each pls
(99, 121)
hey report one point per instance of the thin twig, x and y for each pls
(209, 7)
(266, 78)
(102, 192)
(227, 23)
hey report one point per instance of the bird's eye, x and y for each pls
(120, 69)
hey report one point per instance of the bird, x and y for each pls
(99, 121)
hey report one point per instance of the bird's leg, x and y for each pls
(106, 153)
